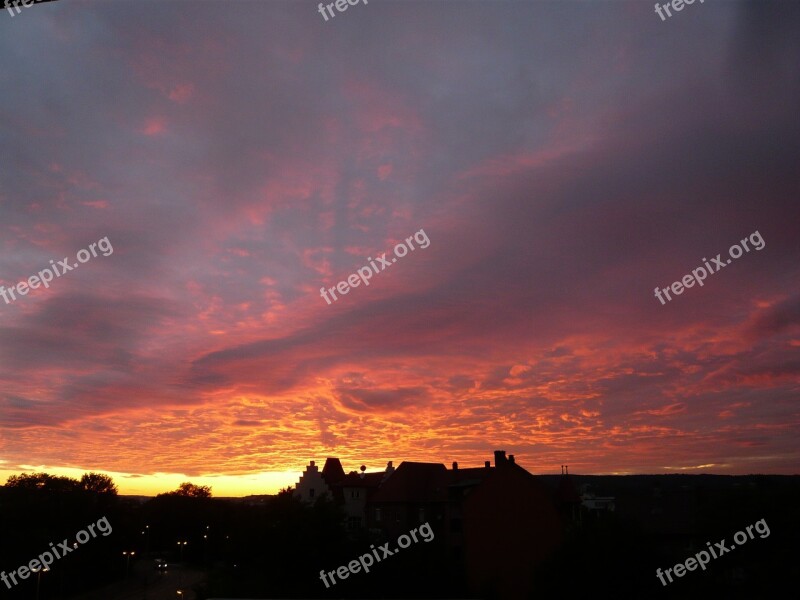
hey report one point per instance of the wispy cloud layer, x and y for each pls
(565, 158)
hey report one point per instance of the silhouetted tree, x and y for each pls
(191, 490)
(99, 484)
(43, 481)
(39, 508)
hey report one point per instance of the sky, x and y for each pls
(562, 159)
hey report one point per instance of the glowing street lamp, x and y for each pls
(39, 578)
(181, 546)
(127, 554)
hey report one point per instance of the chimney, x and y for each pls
(455, 466)
(389, 471)
(499, 457)
(487, 464)
(511, 458)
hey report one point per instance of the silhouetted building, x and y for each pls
(493, 524)
(351, 490)
(504, 523)
(312, 484)
(355, 490)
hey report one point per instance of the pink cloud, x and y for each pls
(154, 126)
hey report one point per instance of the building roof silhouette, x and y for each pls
(332, 472)
(414, 482)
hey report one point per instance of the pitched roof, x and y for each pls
(332, 472)
(415, 482)
(470, 476)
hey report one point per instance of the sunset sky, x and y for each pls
(564, 159)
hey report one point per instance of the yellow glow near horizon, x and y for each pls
(158, 483)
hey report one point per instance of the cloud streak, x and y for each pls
(565, 157)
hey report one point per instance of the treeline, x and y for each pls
(273, 546)
(37, 509)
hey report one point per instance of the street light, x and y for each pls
(39, 578)
(127, 554)
(181, 546)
